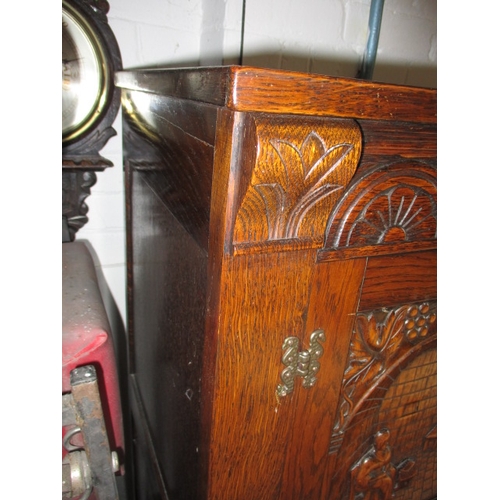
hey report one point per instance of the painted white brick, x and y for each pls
(404, 38)
(212, 32)
(355, 28)
(126, 33)
(162, 46)
(425, 9)
(105, 212)
(172, 14)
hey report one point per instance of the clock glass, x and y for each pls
(83, 75)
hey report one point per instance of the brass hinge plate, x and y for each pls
(304, 364)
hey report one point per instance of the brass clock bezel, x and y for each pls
(90, 135)
(92, 45)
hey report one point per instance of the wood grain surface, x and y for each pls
(398, 279)
(285, 92)
(262, 206)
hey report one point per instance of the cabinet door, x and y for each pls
(386, 419)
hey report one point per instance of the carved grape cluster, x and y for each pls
(418, 320)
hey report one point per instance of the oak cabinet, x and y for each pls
(282, 285)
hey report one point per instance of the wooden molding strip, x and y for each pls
(276, 91)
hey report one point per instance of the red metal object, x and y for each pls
(87, 338)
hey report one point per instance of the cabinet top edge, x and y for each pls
(252, 89)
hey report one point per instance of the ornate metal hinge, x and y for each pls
(304, 363)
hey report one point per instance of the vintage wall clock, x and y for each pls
(90, 102)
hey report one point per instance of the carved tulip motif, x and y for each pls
(299, 175)
(309, 178)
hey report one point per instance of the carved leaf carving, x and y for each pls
(275, 199)
(379, 339)
(300, 173)
(374, 475)
(310, 177)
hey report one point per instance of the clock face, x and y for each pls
(84, 78)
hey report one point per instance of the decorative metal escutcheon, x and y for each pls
(304, 363)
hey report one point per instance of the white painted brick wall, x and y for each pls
(329, 37)
(319, 36)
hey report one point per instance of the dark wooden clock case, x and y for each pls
(80, 157)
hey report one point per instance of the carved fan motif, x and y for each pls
(397, 214)
(386, 206)
(300, 173)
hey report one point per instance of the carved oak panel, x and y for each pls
(391, 207)
(403, 416)
(374, 476)
(383, 439)
(300, 173)
(381, 341)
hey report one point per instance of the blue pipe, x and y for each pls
(374, 22)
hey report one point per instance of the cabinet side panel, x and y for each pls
(169, 275)
(234, 132)
(173, 141)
